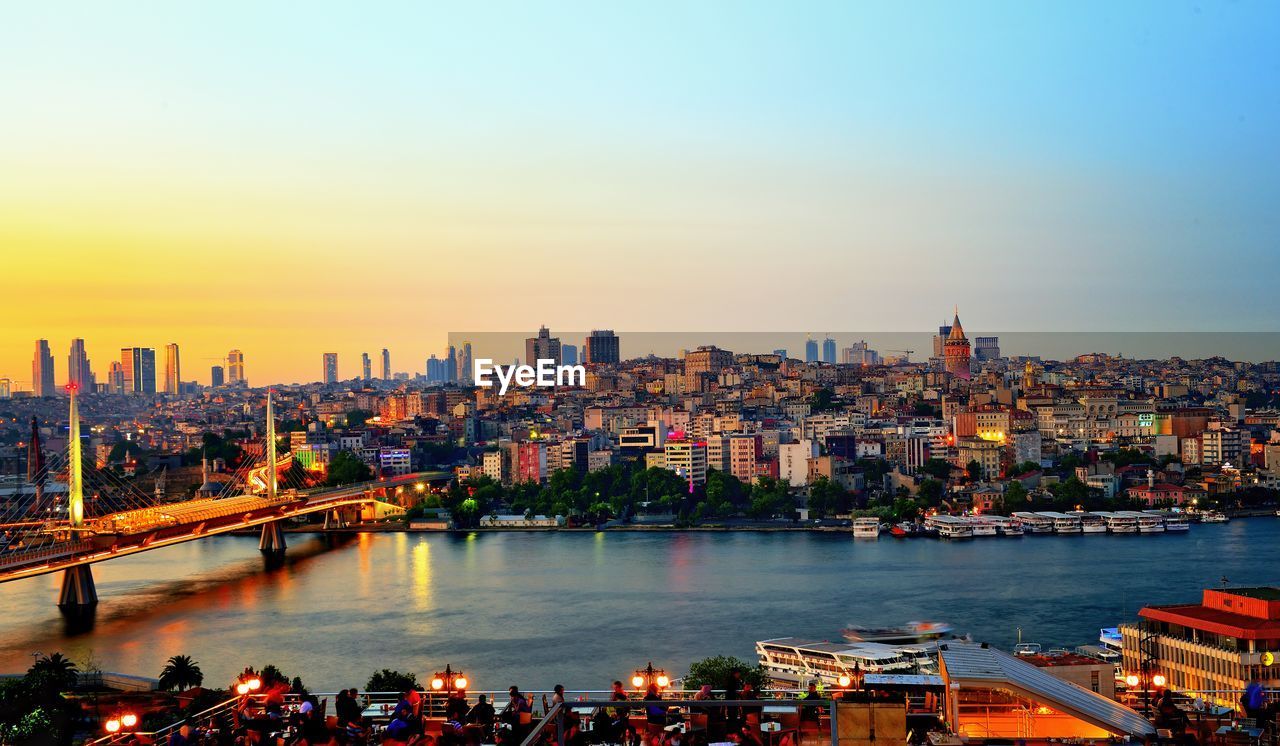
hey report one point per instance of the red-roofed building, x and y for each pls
(1230, 638)
(1159, 494)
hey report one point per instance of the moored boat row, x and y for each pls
(1031, 522)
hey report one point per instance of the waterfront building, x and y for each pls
(542, 347)
(687, 458)
(42, 382)
(601, 347)
(793, 461)
(330, 367)
(235, 368)
(172, 369)
(1218, 646)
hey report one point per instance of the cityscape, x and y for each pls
(639, 374)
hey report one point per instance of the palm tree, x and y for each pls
(181, 673)
(57, 670)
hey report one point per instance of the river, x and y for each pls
(536, 609)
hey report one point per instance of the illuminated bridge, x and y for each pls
(42, 534)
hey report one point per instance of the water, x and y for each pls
(536, 609)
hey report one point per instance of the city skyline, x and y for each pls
(954, 156)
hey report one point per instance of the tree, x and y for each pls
(181, 673)
(718, 672)
(974, 470)
(822, 400)
(56, 670)
(930, 492)
(347, 468)
(356, 418)
(826, 497)
(388, 680)
(938, 468)
(1015, 495)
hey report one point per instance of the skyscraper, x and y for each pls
(330, 367)
(829, 350)
(464, 364)
(138, 365)
(235, 367)
(451, 365)
(601, 347)
(386, 364)
(172, 370)
(542, 347)
(216, 376)
(78, 372)
(366, 366)
(956, 350)
(115, 378)
(42, 370)
(810, 351)
(569, 354)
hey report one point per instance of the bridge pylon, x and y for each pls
(272, 539)
(78, 589)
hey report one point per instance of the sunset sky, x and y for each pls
(295, 178)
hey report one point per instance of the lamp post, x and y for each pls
(125, 722)
(448, 680)
(643, 677)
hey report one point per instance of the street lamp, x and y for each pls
(448, 680)
(650, 675)
(125, 722)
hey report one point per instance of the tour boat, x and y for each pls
(1120, 523)
(1150, 524)
(1213, 516)
(1172, 521)
(794, 662)
(1035, 523)
(982, 526)
(1004, 526)
(866, 528)
(1091, 523)
(1027, 648)
(1064, 523)
(909, 633)
(950, 527)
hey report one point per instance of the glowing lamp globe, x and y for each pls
(637, 681)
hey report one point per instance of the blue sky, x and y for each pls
(645, 165)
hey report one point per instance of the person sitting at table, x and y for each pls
(655, 716)
(750, 714)
(478, 721)
(810, 716)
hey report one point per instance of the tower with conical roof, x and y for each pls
(956, 350)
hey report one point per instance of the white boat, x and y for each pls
(1120, 522)
(1213, 516)
(866, 528)
(981, 526)
(911, 633)
(1027, 648)
(1148, 523)
(1063, 523)
(1005, 526)
(1035, 523)
(1172, 521)
(950, 527)
(794, 662)
(1091, 523)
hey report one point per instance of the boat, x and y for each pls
(1005, 526)
(950, 527)
(1064, 523)
(982, 526)
(794, 662)
(866, 528)
(1035, 523)
(1027, 648)
(1148, 523)
(1091, 523)
(1213, 516)
(908, 634)
(1172, 521)
(902, 530)
(1120, 522)
(1098, 652)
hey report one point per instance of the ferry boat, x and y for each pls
(1213, 516)
(794, 662)
(950, 527)
(1064, 523)
(1091, 523)
(1005, 526)
(1121, 522)
(1027, 648)
(982, 526)
(1172, 521)
(866, 528)
(908, 634)
(1148, 523)
(1035, 523)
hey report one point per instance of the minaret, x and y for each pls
(75, 482)
(271, 449)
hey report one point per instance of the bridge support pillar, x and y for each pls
(272, 539)
(78, 589)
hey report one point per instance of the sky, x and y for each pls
(295, 178)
